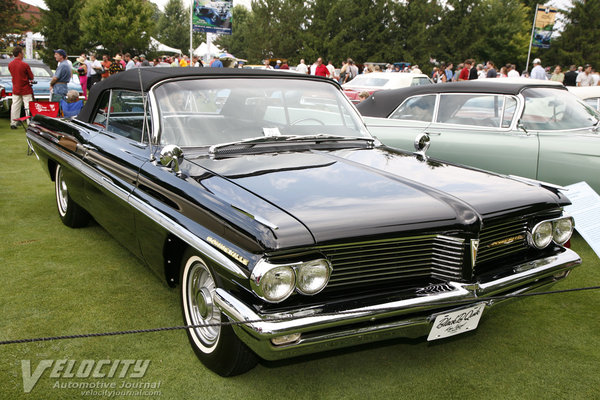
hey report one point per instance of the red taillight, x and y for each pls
(2, 93)
(567, 244)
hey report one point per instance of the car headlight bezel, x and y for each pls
(548, 231)
(566, 234)
(305, 268)
(263, 275)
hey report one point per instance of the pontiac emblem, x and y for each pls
(474, 247)
(509, 240)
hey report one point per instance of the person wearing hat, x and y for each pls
(62, 76)
(538, 71)
(585, 78)
(277, 64)
(143, 61)
(116, 66)
(82, 71)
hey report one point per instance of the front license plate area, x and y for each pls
(455, 322)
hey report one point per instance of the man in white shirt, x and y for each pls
(129, 61)
(538, 71)
(512, 72)
(585, 77)
(302, 67)
(94, 70)
(330, 70)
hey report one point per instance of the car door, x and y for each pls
(480, 130)
(117, 153)
(569, 140)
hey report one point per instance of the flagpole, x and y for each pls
(191, 32)
(531, 38)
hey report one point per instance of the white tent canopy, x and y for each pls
(163, 47)
(203, 50)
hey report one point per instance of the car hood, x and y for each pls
(319, 197)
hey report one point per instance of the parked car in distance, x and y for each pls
(589, 94)
(376, 81)
(262, 196)
(521, 127)
(41, 88)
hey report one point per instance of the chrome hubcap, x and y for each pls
(200, 292)
(61, 192)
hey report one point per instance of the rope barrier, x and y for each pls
(489, 300)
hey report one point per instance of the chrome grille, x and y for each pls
(501, 240)
(395, 259)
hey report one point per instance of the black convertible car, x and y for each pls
(264, 198)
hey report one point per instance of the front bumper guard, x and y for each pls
(409, 317)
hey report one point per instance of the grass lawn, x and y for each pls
(60, 281)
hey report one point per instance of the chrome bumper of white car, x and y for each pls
(409, 317)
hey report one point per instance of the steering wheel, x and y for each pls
(558, 116)
(308, 119)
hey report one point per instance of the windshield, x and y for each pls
(370, 80)
(552, 109)
(206, 112)
(38, 71)
(41, 72)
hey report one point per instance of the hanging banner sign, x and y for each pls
(544, 25)
(212, 16)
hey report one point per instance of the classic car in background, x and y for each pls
(41, 88)
(522, 127)
(264, 198)
(376, 81)
(589, 94)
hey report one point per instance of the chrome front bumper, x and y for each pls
(408, 317)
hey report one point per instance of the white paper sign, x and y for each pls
(586, 211)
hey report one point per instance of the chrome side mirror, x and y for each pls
(422, 143)
(171, 156)
(521, 126)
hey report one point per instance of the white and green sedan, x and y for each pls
(522, 127)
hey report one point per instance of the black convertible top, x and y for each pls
(382, 103)
(145, 78)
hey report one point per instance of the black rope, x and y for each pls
(490, 299)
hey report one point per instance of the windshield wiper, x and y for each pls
(249, 142)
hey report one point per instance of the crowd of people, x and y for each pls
(469, 70)
(90, 70)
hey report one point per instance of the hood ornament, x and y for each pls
(474, 248)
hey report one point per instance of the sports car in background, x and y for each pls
(375, 81)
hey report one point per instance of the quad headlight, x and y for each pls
(558, 230)
(276, 282)
(562, 229)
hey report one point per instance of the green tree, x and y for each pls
(415, 33)
(174, 25)
(503, 32)
(117, 25)
(579, 42)
(57, 29)
(11, 20)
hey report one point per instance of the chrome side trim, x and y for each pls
(144, 208)
(310, 322)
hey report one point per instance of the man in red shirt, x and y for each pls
(464, 73)
(22, 92)
(321, 69)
